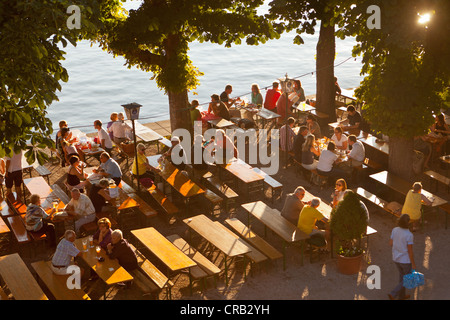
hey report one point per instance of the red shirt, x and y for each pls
(272, 96)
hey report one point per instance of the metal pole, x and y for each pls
(136, 157)
(286, 133)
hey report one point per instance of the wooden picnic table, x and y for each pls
(283, 228)
(245, 179)
(402, 186)
(146, 134)
(19, 279)
(221, 123)
(267, 116)
(227, 244)
(172, 257)
(109, 270)
(38, 185)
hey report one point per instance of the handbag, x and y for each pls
(413, 280)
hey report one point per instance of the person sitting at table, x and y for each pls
(81, 208)
(287, 145)
(99, 195)
(340, 139)
(308, 218)
(309, 151)
(327, 160)
(119, 130)
(225, 97)
(181, 162)
(413, 204)
(68, 147)
(357, 155)
(256, 97)
(120, 249)
(219, 108)
(354, 119)
(339, 191)
(143, 167)
(272, 96)
(293, 205)
(76, 178)
(298, 142)
(65, 253)
(194, 112)
(422, 145)
(299, 92)
(113, 117)
(440, 128)
(103, 235)
(103, 138)
(224, 147)
(34, 220)
(313, 126)
(109, 168)
(2, 170)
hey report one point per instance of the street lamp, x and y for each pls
(287, 86)
(132, 112)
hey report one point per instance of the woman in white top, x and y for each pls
(309, 150)
(340, 139)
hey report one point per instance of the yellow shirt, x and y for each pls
(413, 205)
(307, 219)
(142, 159)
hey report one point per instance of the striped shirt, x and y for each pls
(34, 216)
(64, 253)
(291, 136)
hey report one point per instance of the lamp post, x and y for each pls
(287, 86)
(132, 112)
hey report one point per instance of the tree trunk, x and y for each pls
(179, 114)
(401, 151)
(325, 92)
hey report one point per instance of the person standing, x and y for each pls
(103, 137)
(272, 95)
(13, 173)
(287, 138)
(401, 242)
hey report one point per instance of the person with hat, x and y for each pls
(218, 107)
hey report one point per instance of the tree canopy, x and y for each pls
(33, 35)
(156, 36)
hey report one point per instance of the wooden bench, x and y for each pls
(5, 210)
(372, 164)
(361, 192)
(144, 208)
(160, 280)
(16, 204)
(18, 229)
(270, 182)
(3, 295)
(57, 284)
(322, 180)
(221, 188)
(42, 171)
(209, 268)
(437, 177)
(254, 255)
(254, 239)
(163, 201)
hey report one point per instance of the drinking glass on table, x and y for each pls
(55, 204)
(91, 241)
(98, 249)
(85, 241)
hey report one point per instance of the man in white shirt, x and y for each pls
(81, 207)
(13, 173)
(103, 137)
(358, 152)
(119, 129)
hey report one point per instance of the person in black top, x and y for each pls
(218, 107)
(354, 119)
(298, 143)
(120, 249)
(337, 88)
(225, 96)
(99, 195)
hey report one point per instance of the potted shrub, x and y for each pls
(348, 223)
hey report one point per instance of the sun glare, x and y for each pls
(424, 18)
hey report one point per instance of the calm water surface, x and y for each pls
(99, 84)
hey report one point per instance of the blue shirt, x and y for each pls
(64, 253)
(112, 168)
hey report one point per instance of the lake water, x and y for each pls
(99, 84)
